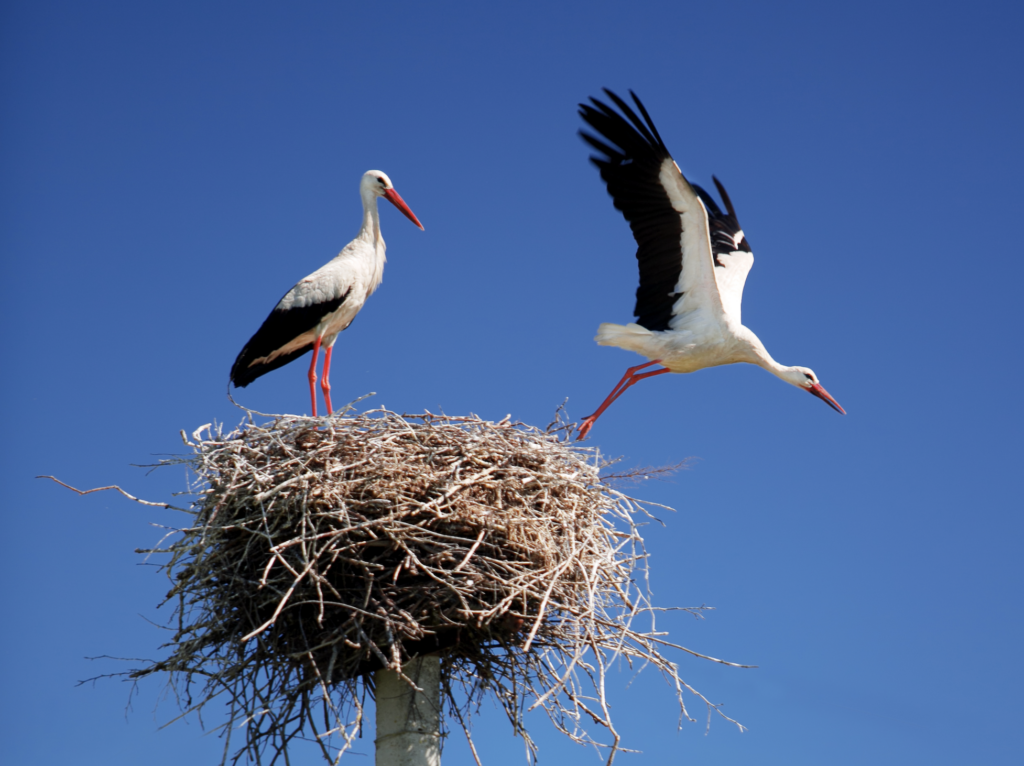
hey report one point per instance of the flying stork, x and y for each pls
(693, 260)
(312, 313)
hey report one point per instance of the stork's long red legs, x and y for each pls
(627, 380)
(325, 383)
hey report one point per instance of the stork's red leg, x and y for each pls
(619, 387)
(325, 383)
(628, 380)
(312, 373)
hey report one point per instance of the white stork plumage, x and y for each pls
(319, 307)
(693, 260)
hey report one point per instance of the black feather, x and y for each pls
(633, 153)
(277, 330)
(723, 227)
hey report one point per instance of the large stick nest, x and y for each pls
(322, 550)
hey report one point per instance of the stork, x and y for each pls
(693, 260)
(319, 307)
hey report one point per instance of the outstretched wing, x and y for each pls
(665, 212)
(730, 250)
(289, 331)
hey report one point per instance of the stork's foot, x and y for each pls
(585, 427)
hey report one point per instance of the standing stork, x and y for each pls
(693, 260)
(319, 307)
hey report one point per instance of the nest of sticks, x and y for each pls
(321, 550)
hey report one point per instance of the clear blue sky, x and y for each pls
(168, 170)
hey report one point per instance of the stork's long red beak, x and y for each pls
(393, 197)
(821, 393)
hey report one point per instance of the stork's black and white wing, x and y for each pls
(291, 329)
(678, 228)
(730, 250)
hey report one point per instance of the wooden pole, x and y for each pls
(408, 721)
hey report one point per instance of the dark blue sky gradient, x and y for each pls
(168, 171)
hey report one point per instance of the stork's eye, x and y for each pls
(808, 376)
(382, 181)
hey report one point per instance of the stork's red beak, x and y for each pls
(392, 196)
(821, 393)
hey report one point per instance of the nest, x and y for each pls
(323, 550)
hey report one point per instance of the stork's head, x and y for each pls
(377, 183)
(804, 378)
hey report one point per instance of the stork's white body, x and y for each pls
(319, 307)
(356, 273)
(700, 344)
(693, 258)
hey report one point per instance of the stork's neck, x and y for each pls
(370, 230)
(759, 355)
(792, 375)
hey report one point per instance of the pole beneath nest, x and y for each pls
(409, 721)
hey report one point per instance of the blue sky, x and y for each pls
(167, 171)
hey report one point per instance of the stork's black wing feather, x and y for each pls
(277, 331)
(630, 161)
(723, 227)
